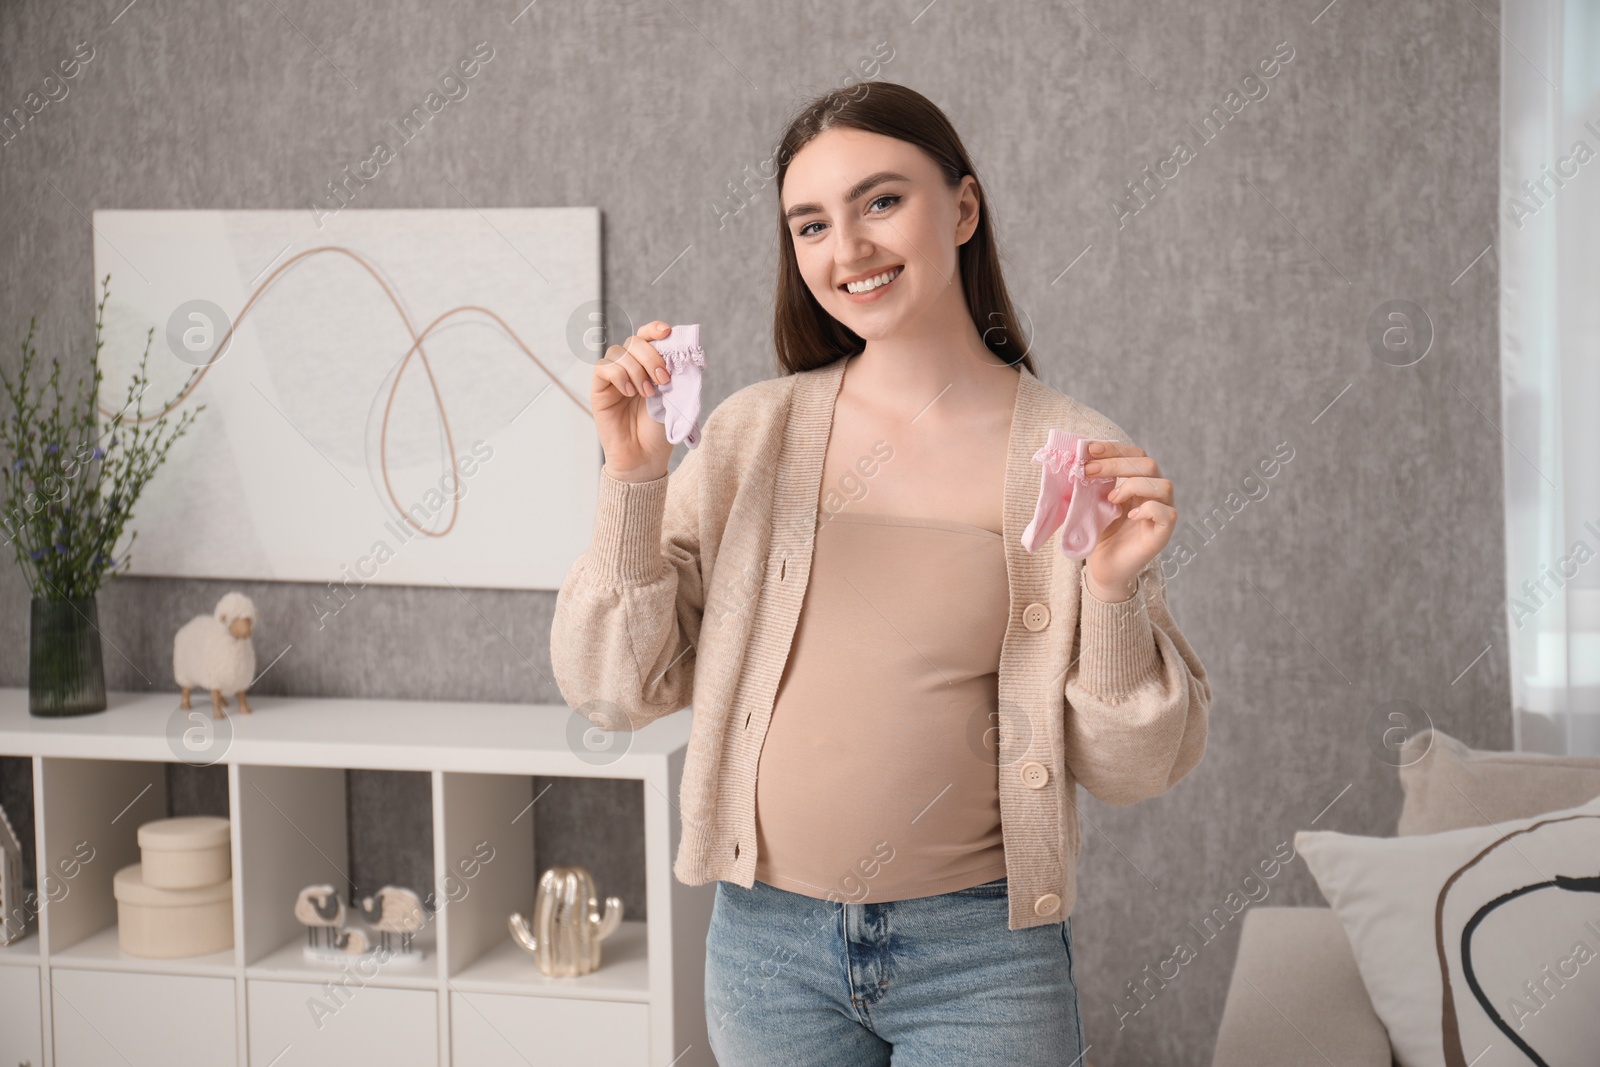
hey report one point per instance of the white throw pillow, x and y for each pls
(1529, 888)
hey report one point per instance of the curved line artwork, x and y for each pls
(416, 348)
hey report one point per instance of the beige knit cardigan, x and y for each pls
(690, 592)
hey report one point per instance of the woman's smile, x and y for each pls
(862, 295)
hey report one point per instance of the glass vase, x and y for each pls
(65, 673)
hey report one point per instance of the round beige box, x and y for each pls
(169, 923)
(186, 852)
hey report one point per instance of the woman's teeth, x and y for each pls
(876, 280)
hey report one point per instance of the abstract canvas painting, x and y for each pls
(390, 396)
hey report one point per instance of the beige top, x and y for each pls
(691, 590)
(877, 779)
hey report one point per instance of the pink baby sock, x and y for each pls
(1069, 498)
(676, 402)
(1055, 490)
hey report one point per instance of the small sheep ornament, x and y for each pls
(214, 652)
(394, 910)
(320, 909)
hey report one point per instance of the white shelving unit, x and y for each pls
(69, 996)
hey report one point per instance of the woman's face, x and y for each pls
(861, 205)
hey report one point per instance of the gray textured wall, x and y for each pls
(1223, 321)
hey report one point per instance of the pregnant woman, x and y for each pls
(894, 699)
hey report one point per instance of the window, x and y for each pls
(1550, 367)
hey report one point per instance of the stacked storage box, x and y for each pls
(178, 901)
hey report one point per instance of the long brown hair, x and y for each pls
(807, 337)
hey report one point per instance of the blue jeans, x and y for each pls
(938, 981)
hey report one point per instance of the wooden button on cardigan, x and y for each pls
(691, 589)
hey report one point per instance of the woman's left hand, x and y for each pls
(1150, 517)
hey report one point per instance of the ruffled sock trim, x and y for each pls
(1060, 454)
(1058, 460)
(679, 358)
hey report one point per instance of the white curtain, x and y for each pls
(1549, 242)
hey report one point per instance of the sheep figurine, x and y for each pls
(319, 909)
(214, 652)
(351, 942)
(394, 910)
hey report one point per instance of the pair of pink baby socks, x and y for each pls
(676, 402)
(1069, 498)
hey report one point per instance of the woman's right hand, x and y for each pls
(636, 446)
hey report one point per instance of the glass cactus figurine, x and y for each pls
(567, 924)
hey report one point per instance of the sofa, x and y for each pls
(1296, 987)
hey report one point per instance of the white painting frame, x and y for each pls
(389, 396)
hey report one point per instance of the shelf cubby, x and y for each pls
(294, 832)
(491, 815)
(91, 813)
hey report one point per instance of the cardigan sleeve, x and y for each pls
(627, 616)
(1137, 696)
